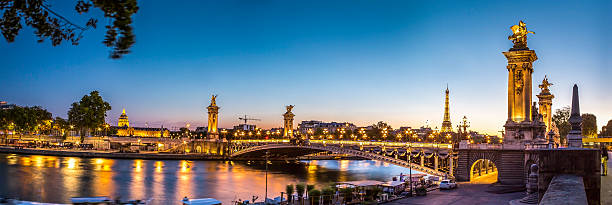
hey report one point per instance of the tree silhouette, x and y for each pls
(589, 125)
(48, 24)
(89, 113)
(560, 118)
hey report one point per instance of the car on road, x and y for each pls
(448, 184)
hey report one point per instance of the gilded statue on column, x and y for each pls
(213, 100)
(545, 84)
(519, 36)
(289, 108)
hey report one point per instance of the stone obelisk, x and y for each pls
(213, 119)
(288, 125)
(521, 125)
(574, 138)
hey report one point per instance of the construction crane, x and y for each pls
(245, 118)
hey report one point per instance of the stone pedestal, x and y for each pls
(574, 139)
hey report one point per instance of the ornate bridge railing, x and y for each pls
(372, 154)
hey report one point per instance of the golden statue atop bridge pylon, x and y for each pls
(519, 36)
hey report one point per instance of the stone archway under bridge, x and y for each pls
(483, 171)
(508, 164)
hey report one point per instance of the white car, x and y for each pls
(448, 184)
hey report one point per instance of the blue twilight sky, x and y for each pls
(356, 61)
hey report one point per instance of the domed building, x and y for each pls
(124, 129)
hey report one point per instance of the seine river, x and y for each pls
(57, 179)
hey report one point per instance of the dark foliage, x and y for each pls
(48, 24)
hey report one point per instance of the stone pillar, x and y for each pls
(423, 160)
(288, 122)
(574, 137)
(520, 69)
(213, 119)
(436, 162)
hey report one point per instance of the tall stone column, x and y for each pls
(213, 119)
(288, 124)
(545, 103)
(520, 126)
(574, 137)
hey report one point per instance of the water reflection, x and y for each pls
(56, 179)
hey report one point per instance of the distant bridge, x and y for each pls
(424, 160)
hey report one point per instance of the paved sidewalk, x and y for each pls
(466, 193)
(606, 184)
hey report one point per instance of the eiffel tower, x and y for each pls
(446, 124)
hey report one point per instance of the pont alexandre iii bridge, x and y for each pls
(464, 163)
(428, 158)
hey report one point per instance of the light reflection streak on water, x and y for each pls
(70, 176)
(136, 188)
(159, 166)
(137, 165)
(168, 181)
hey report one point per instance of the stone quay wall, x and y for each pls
(581, 162)
(565, 189)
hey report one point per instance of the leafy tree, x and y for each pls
(114, 130)
(560, 118)
(373, 193)
(6, 123)
(309, 187)
(289, 189)
(49, 24)
(375, 132)
(314, 196)
(24, 119)
(589, 125)
(328, 195)
(61, 125)
(89, 113)
(318, 131)
(299, 189)
(348, 194)
(607, 129)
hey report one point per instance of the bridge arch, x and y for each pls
(483, 171)
(480, 160)
(291, 150)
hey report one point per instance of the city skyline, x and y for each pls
(361, 63)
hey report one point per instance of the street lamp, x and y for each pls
(384, 132)
(224, 132)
